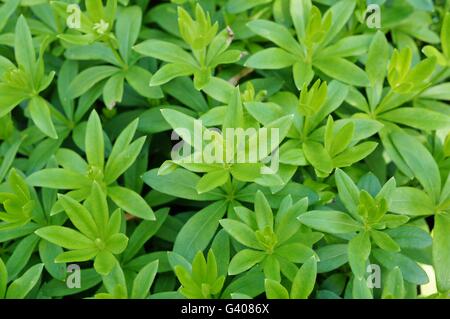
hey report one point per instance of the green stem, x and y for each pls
(60, 117)
(116, 54)
(200, 55)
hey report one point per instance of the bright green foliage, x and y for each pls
(316, 44)
(25, 81)
(97, 236)
(302, 285)
(20, 287)
(293, 149)
(202, 280)
(209, 49)
(94, 25)
(116, 285)
(79, 176)
(337, 150)
(17, 203)
(270, 241)
(227, 149)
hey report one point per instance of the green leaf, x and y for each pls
(271, 58)
(360, 289)
(113, 90)
(411, 201)
(184, 125)
(411, 237)
(304, 280)
(11, 97)
(78, 255)
(394, 287)
(221, 248)
(212, 180)
(286, 222)
(419, 118)
(348, 192)
(274, 290)
(65, 237)
(263, 212)
(341, 12)
(343, 70)
(331, 257)
(114, 281)
(420, 161)
(88, 78)
(441, 251)
(332, 222)
(354, 154)
(58, 178)
(251, 284)
(198, 231)
(94, 143)
(170, 71)
(5, 13)
(244, 260)
(349, 46)
(57, 288)
(234, 116)
(20, 288)
(218, 89)
(40, 114)
(165, 51)
(128, 26)
(241, 232)
(122, 160)
(143, 232)
(180, 183)
(358, 253)
(295, 252)
(299, 10)
(412, 272)
(79, 216)
(95, 9)
(21, 255)
(144, 280)
(236, 6)
(271, 268)
(276, 33)
(98, 207)
(48, 253)
(445, 35)
(3, 279)
(94, 51)
(342, 139)
(303, 74)
(139, 79)
(384, 241)
(104, 263)
(130, 202)
(71, 160)
(316, 154)
(23, 47)
(437, 92)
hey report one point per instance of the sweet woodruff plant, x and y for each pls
(224, 149)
